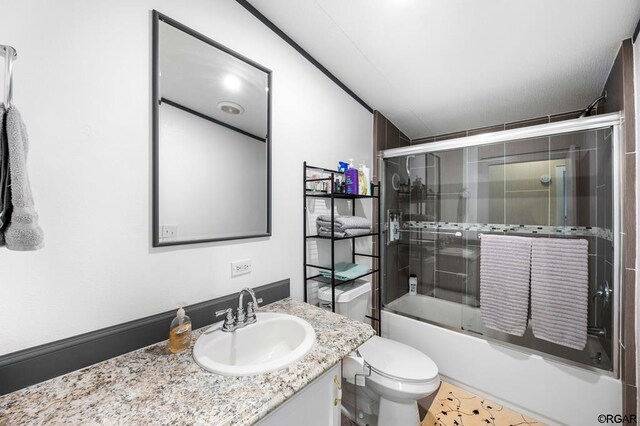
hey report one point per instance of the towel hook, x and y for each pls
(10, 54)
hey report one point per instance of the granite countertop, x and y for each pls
(152, 385)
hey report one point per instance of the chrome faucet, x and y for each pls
(240, 319)
(250, 316)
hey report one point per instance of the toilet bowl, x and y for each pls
(395, 375)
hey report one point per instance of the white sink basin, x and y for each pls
(275, 341)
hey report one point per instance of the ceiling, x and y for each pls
(434, 67)
(199, 76)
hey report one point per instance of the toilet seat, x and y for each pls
(398, 371)
(397, 361)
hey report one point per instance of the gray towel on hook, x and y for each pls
(560, 290)
(505, 266)
(5, 190)
(23, 232)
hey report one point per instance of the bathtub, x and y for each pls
(533, 382)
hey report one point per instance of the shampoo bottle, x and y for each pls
(363, 179)
(180, 332)
(413, 284)
(351, 179)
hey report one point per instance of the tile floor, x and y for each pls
(452, 406)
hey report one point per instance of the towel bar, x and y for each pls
(10, 54)
(455, 234)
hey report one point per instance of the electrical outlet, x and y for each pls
(169, 231)
(240, 267)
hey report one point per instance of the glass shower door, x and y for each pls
(557, 186)
(438, 204)
(425, 201)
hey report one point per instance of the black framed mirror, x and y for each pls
(211, 139)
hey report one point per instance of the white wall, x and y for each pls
(549, 391)
(82, 82)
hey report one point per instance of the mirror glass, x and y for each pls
(211, 140)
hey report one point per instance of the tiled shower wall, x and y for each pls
(385, 136)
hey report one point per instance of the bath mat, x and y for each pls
(454, 406)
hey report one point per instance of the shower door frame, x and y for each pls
(613, 120)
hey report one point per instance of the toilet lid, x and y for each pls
(395, 359)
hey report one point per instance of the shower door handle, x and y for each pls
(596, 331)
(604, 293)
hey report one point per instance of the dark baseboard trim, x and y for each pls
(34, 365)
(273, 27)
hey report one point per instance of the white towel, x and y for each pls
(23, 232)
(560, 291)
(505, 266)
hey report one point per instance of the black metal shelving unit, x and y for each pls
(329, 194)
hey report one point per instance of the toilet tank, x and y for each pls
(352, 299)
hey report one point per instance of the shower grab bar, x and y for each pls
(10, 54)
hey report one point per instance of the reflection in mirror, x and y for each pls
(211, 140)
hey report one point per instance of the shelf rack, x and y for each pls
(329, 194)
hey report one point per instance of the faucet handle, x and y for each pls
(251, 313)
(229, 319)
(228, 312)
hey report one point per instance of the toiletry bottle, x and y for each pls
(180, 332)
(413, 284)
(363, 179)
(393, 225)
(396, 227)
(351, 179)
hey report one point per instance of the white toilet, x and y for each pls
(391, 376)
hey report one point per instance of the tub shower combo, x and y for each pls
(557, 180)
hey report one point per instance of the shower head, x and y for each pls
(593, 104)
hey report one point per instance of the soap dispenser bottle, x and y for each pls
(180, 332)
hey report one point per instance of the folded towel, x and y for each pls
(505, 264)
(346, 271)
(23, 232)
(326, 232)
(5, 190)
(560, 290)
(341, 223)
(324, 228)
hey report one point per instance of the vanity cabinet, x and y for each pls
(318, 404)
